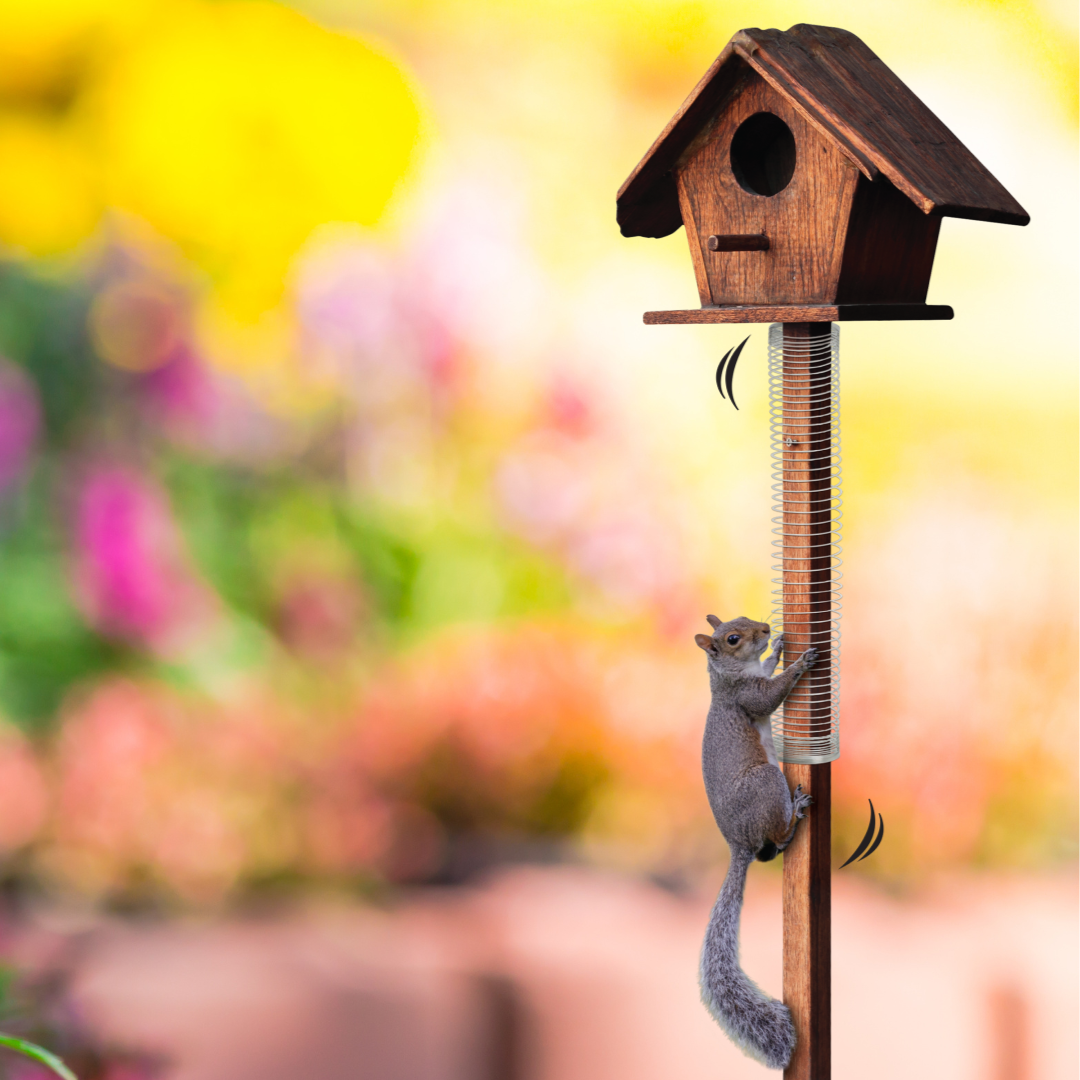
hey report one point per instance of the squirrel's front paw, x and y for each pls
(801, 801)
(778, 645)
(809, 658)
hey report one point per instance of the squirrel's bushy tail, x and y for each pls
(760, 1026)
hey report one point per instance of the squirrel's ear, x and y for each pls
(704, 642)
(713, 621)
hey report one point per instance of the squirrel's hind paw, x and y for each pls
(801, 801)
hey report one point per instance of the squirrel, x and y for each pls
(757, 815)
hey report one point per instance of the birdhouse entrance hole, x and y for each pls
(763, 154)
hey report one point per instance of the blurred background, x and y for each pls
(354, 532)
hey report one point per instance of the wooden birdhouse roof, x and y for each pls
(853, 99)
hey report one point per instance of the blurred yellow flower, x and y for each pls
(47, 198)
(237, 128)
(46, 45)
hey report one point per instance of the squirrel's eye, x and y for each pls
(733, 639)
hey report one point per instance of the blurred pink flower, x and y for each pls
(107, 750)
(347, 298)
(152, 782)
(346, 826)
(131, 575)
(545, 487)
(23, 794)
(318, 614)
(632, 558)
(569, 407)
(364, 324)
(469, 257)
(20, 419)
(560, 491)
(364, 315)
(210, 413)
(181, 389)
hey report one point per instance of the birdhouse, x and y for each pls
(811, 182)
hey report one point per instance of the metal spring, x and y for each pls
(806, 729)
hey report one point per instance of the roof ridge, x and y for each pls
(853, 98)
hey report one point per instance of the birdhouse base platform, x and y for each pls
(802, 313)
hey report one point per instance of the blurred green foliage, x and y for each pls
(43, 328)
(45, 644)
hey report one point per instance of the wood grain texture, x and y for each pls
(848, 88)
(647, 203)
(805, 222)
(808, 928)
(857, 104)
(888, 253)
(738, 313)
(807, 579)
(698, 254)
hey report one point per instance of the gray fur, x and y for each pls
(758, 1025)
(756, 814)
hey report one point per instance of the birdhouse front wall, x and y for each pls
(805, 222)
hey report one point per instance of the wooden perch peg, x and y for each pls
(739, 242)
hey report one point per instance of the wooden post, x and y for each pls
(782, 230)
(807, 602)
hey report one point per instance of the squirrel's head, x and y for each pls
(740, 640)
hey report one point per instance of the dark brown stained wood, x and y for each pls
(805, 222)
(770, 313)
(889, 249)
(849, 90)
(748, 242)
(698, 254)
(853, 100)
(659, 215)
(647, 203)
(807, 581)
(808, 928)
